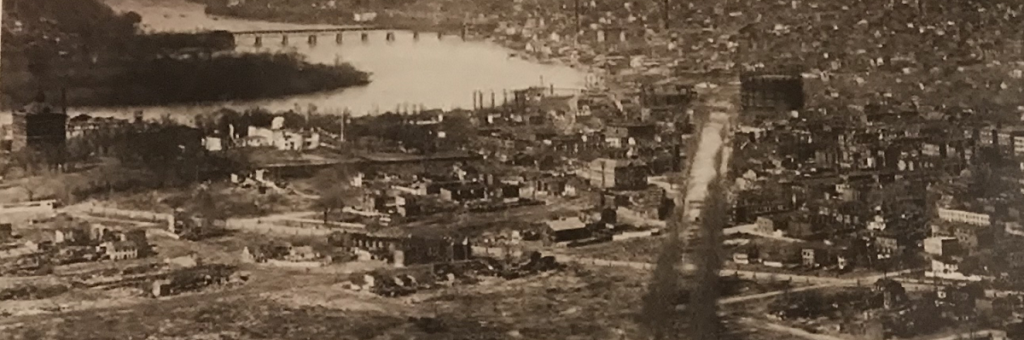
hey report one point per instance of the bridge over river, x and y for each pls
(313, 35)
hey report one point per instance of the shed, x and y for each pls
(566, 229)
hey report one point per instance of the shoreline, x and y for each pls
(421, 25)
(124, 84)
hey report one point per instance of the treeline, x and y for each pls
(171, 80)
(406, 14)
(131, 158)
(99, 57)
(230, 77)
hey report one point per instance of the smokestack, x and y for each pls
(665, 9)
(2, 22)
(341, 133)
(64, 99)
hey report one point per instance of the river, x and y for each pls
(407, 73)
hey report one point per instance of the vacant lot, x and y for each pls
(573, 304)
(644, 249)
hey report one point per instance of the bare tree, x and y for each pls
(330, 201)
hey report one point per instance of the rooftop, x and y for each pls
(566, 224)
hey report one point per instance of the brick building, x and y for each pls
(41, 128)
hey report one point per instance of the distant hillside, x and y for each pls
(98, 56)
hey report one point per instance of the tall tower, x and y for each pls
(42, 128)
(1, 25)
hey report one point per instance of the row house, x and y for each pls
(1010, 140)
(986, 136)
(666, 96)
(407, 250)
(769, 224)
(941, 246)
(842, 216)
(964, 216)
(805, 226)
(621, 134)
(573, 145)
(889, 245)
(619, 174)
(464, 192)
(969, 238)
(816, 255)
(557, 186)
(888, 113)
(951, 154)
(751, 204)
(946, 265)
(374, 201)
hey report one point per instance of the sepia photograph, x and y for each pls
(512, 169)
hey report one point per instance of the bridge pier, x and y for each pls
(259, 41)
(416, 36)
(364, 36)
(391, 36)
(312, 39)
(338, 38)
(465, 32)
(440, 35)
(284, 39)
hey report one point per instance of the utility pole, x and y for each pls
(1, 15)
(664, 10)
(341, 132)
(577, 16)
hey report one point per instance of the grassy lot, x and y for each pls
(573, 304)
(231, 200)
(644, 249)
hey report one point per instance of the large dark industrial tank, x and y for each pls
(772, 90)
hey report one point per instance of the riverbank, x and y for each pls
(448, 18)
(172, 81)
(123, 67)
(486, 22)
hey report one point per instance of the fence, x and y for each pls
(136, 215)
(632, 235)
(749, 275)
(293, 228)
(317, 224)
(27, 211)
(33, 205)
(300, 264)
(266, 228)
(929, 285)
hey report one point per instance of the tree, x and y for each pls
(330, 201)
(335, 182)
(458, 129)
(973, 265)
(892, 293)
(206, 206)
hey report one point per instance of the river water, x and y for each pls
(407, 73)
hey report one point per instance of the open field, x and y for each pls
(643, 249)
(573, 304)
